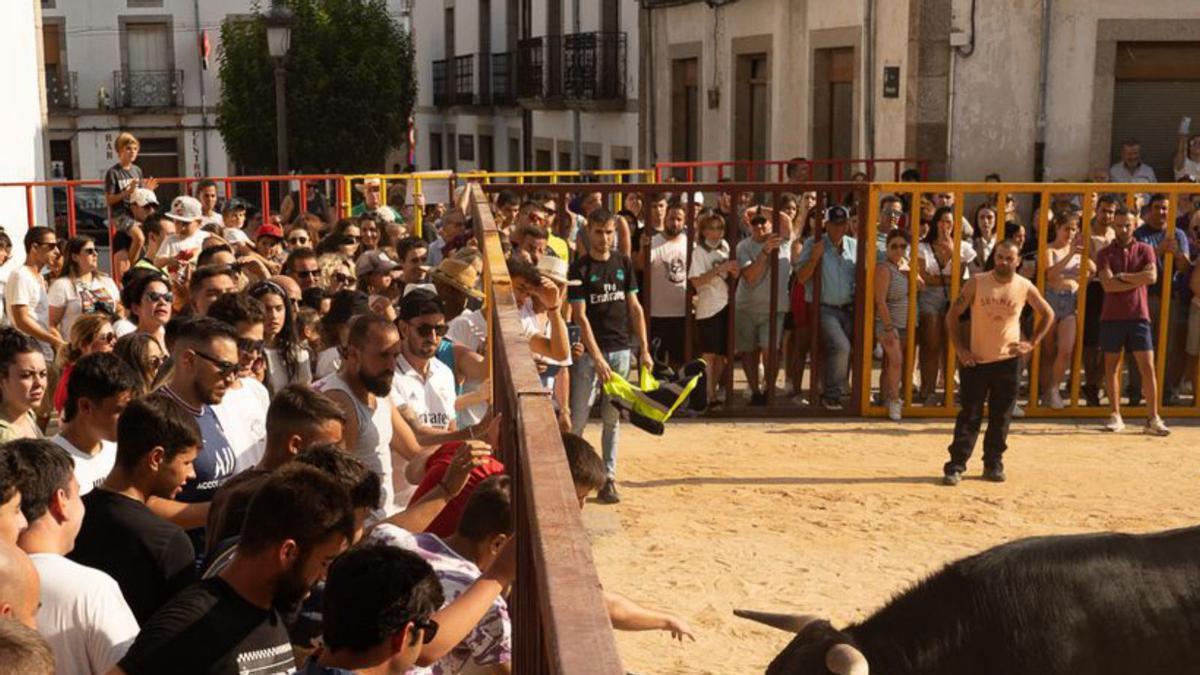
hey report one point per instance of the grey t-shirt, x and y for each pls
(116, 179)
(756, 297)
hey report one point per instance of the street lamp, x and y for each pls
(279, 37)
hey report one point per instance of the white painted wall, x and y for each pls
(21, 120)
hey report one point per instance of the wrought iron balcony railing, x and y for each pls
(148, 88)
(62, 90)
(577, 67)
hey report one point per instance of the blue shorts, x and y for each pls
(1133, 335)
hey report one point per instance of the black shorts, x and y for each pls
(714, 333)
(1131, 335)
(1093, 303)
(668, 331)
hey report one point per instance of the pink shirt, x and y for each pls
(996, 316)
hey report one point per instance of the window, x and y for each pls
(564, 161)
(466, 147)
(487, 154)
(514, 154)
(543, 161)
(685, 110)
(436, 160)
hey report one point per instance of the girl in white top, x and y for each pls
(82, 288)
(1064, 276)
(935, 255)
(287, 360)
(1187, 157)
(709, 274)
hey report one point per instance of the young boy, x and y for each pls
(120, 181)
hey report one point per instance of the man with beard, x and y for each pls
(361, 388)
(666, 256)
(423, 383)
(991, 363)
(205, 354)
(299, 521)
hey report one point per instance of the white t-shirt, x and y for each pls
(277, 369)
(712, 296)
(243, 415)
(668, 277)
(432, 398)
(90, 470)
(83, 616)
(174, 244)
(26, 288)
(469, 329)
(74, 297)
(1190, 168)
(925, 252)
(328, 362)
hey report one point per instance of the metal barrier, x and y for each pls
(769, 196)
(999, 193)
(421, 181)
(560, 624)
(802, 170)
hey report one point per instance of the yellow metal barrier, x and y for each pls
(420, 179)
(868, 229)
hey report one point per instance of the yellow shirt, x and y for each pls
(559, 246)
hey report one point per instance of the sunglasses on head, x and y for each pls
(224, 368)
(429, 329)
(428, 628)
(160, 296)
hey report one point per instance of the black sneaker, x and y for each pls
(758, 399)
(952, 478)
(994, 474)
(1091, 394)
(608, 493)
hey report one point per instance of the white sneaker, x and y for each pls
(1055, 401)
(1018, 411)
(895, 410)
(1115, 423)
(1155, 427)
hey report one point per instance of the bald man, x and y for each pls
(19, 586)
(289, 284)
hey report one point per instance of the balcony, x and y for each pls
(454, 82)
(585, 70)
(441, 85)
(148, 88)
(62, 90)
(464, 80)
(504, 90)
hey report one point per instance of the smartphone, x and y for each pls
(574, 333)
(1185, 126)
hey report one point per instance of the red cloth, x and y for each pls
(799, 306)
(60, 392)
(435, 469)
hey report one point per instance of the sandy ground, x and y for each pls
(834, 517)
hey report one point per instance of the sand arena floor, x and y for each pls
(834, 517)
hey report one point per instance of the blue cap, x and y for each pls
(837, 214)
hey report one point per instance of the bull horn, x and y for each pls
(846, 660)
(793, 623)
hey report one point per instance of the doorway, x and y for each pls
(751, 115)
(833, 109)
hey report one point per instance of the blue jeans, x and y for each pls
(837, 335)
(583, 392)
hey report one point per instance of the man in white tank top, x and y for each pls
(361, 388)
(991, 364)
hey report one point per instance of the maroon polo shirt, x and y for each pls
(1130, 305)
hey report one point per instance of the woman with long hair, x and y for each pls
(22, 385)
(891, 318)
(81, 288)
(145, 355)
(287, 359)
(337, 272)
(91, 333)
(1064, 275)
(984, 238)
(935, 256)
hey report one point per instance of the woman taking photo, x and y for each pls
(935, 257)
(891, 318)
(1064, 276)
(22, 385)
(90, 333)
(81, 288)
(287, 359)
(142, 353)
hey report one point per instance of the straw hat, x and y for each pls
(555, 269)
(458, 275)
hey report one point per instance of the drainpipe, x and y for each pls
(869, 78)
(575, 115)
(203, 103)
(1039, 145)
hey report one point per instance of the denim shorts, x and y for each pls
(1062, 302)
(1132, 335)
(933, 300)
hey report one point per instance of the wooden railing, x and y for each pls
(560, 625)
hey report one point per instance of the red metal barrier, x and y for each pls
(777, 170)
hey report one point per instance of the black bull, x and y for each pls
(1097, 604)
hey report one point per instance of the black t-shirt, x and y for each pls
(116, 179)
(151, 558)
(227, 511)
(606, 286)
(210, 629)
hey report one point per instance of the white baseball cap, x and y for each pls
(143, 197)
(185, 209)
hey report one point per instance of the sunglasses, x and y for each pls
(109, 337)
(896, 247)
(248, 345)
(88, 251)
(53, 244)
(352, 238)
(308, 274)
(298, 241)
(892, 213)
(429, 329)
(225, 369)
(156, 362)
(160, 296)
(343, 278)
(419, 259)
(428, 628)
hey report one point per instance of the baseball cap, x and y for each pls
(837, 214)
(184, 209)
(143, 197)
(269, 230)
(420, 302)
(374, 261)
(236, 236)
(236, 204)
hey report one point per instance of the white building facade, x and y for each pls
(956, 82)
(526, 84)
(22, 122)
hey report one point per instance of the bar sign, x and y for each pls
(891, 81)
